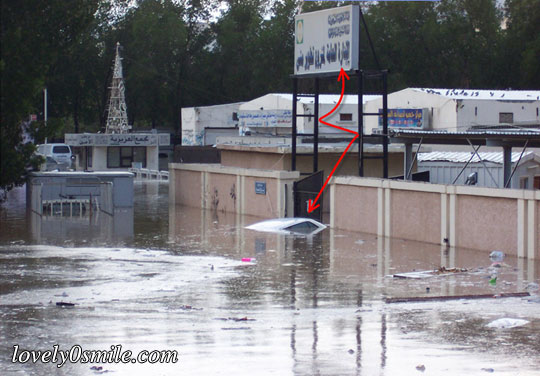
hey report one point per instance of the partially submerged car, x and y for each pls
(57, 156)
(304, 226)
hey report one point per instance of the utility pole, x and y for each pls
(45, 109)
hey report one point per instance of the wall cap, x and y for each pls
(219, 169)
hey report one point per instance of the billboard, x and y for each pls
(406, 118)
(327, 40)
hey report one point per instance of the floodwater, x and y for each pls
(172, 278)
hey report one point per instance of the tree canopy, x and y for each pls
(199, 52)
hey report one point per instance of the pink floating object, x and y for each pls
(248, 259)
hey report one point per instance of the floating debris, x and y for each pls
(234, 319)
(430, 273)
(190, 308)
(507, 323)
(455, 297)
(65, 304)
(497, 256)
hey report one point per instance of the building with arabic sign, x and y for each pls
(457, 109)
(271, 114)
(202, 124)
(106, 151)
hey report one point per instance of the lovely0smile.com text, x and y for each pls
(76, 354)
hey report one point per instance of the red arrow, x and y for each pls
(341, 77)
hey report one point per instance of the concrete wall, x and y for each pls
(460, 216)
(276, 160)
(229, 189)
(282, 161)
(99, 158)
(152, 157)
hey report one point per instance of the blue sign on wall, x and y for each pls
(404, 117)
(260, 187)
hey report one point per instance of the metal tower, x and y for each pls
(117, 121)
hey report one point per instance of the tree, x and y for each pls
(523, 43)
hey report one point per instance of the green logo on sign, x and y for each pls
(299, 31)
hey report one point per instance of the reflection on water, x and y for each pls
(165, 277)
(99, 228)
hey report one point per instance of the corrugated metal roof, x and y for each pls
(419, 133)
(464, 156)
(329, 98)
(483, 94)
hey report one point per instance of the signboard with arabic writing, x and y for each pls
(406, 118)
(265, 118)
(105, 139)
(327, 40)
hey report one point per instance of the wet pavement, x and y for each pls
(172, 278)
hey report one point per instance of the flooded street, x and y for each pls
(233, 301)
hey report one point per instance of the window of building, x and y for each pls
(89, 151)
(124, 156)
(475, 111)
(345, 117)
(506, 117)
(536, 184)
(113, 157)
(524, 183)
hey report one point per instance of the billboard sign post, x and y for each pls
(327, 40)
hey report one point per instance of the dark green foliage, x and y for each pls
(34, 35)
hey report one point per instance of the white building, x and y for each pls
(272, 114)
(117, 152)
(201, 125)
(456, 109)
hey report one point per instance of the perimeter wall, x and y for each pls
(264, 193)
(460, 216)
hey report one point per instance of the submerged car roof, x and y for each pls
(281, 225)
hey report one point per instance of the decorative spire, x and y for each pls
(117, 121)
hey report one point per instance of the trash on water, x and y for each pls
(507, 323)
(65, 304)
(455, 297)
(442, 271)
(237, 319)
(190, 308)
(249, 259)
(496, 256)
(421, 367)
